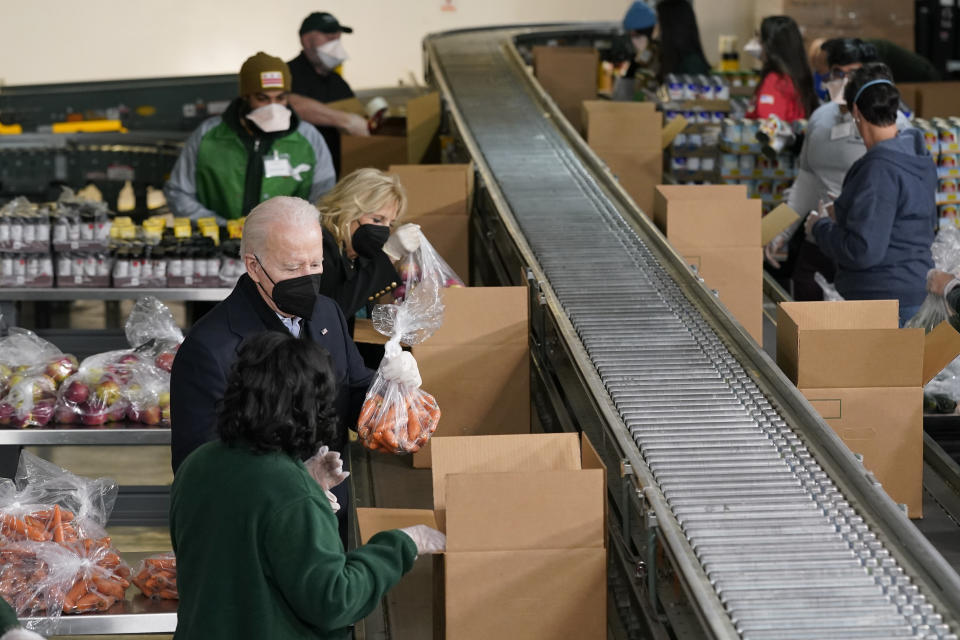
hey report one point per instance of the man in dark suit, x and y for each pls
(282, 248)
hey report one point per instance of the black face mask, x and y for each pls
(296, 296)
(368, 239)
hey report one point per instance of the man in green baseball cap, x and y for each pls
(257, 149)
(316, 80)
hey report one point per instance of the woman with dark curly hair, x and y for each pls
(258, 550)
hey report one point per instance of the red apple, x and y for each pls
(93, 419)
(409, 272)
(62, 368)
(6, 413)
(452, 283)
(42, 413)
(128, 358)
(118, 414)
(164, 361)
(65, 415)
(76, 392)
(151, 415)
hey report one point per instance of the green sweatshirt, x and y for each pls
(8, 617)
(259, 554)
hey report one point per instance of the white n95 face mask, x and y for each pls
(753, 47)
(835, 87)
(332, 54)
(271, 118)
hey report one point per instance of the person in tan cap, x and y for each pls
(257, 149)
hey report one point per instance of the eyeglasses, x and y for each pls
(839, 74)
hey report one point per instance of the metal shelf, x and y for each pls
(116, 434)
(80, 293)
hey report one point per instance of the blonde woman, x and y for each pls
(358, 249)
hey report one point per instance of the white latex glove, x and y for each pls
(940, 282)
(404, 240)
(774, 249)
(354, 125)
(326, 467)
(812, 219)
(402, 369)
(334, 504)
(20, 634)
(427, 540)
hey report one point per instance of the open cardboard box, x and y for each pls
(439, 198)
(626, 136)
(477, 364)
(717, 229)
(865, 377)
(525, 519)
(408, 135)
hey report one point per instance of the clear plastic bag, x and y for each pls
(90, 500)
(148, 396)
(152, 331)
(30, 401)
(97, 392)
(830, 293)
(48, 579)
(156, 577)
(424, 267)
(946, 383)
(946, 257)
(396, 418)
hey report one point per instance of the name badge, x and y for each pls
(843, 130)
(277, 166)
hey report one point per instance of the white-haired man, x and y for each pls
(282, 249)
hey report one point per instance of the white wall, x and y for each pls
(725, 17)
(44, 41)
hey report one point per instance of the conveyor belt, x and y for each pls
(786, 553)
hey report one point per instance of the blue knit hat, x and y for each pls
(639, 17)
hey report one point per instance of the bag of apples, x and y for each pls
(96, 393)
(152, 331)
(31, 370)
(424, 267)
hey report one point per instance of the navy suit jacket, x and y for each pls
(199, 376)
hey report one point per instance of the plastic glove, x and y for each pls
(940, 282)
(334, 504)
(326, 467)
(404, 240)
(427, 540)
(354, 125)
(773, 252)
(401, 369)
(813, 218)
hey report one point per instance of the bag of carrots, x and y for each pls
(156, 577)
(397, 416)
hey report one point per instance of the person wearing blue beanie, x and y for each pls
(639, 17)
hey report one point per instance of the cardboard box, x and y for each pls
(889, 19)
(626, 136)
(569, 76)
(717, 229)
(708, 216)
(439, 198)
(737, 275)
(931, 99)
(477, 365)
(525, 518)
(406, 137)
(865, 377)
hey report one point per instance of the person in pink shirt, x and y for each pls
(786, 82)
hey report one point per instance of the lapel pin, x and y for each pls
(324, 332)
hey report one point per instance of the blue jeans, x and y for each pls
(908, 312)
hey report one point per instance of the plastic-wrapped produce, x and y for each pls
(425, 266)
(96, 393)
(156, 577)
(31, 369)
(152, 331)
(946, 257)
